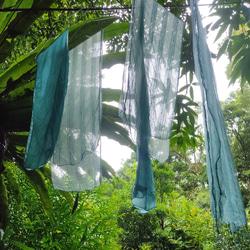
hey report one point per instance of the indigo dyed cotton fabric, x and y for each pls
(226, 200)
(76, 162)
(49, 94)
(148, 96)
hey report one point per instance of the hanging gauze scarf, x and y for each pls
(148, 96)
(76, 162)
(49, 94)
(226, 200)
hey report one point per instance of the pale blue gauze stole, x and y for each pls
(76, 162)
(150, 82)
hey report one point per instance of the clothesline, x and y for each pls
(105, 9)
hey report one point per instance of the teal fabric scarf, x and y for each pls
(226, 200)
(49, 93)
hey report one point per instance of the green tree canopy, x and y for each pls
(236, 111)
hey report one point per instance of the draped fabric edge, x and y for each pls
(148, 195)
(198, 29)
(97, 146)
(29, 141)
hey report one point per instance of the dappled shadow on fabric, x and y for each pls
(76, 162)
(149, 91)
(66, 114)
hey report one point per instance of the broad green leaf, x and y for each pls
(115, 29)
(179, 142)
(235, 73)
(4, 215)
(12, 183)
(5, 17)
(173, 141)
(191, 76)
(217, 24)
(238, 43)
(192, 119)
(240, 55)
(221, 31)
(245, 72)
(18, 88)
(184, 87)
(77, 34)
(110, 95)
(108, 167)
(68, 197)
(105, 173)
(109, 110)
(20, 22)
(41, 188)
(46, 172)
(116, 132)
(222, 48)
(5, 49)
(184, 146)
(191, 90)
(18, 69)
(21, 245)
(83, 30)
(190, 103)
(23, 20)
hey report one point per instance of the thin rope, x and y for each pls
(107, 9)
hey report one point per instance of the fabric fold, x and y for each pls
(225, 195)
(149, 90)
(49, 94)
(76, 162)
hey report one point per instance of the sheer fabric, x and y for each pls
(148, 96)
(49, 94)
(76, 162)
(226, 200)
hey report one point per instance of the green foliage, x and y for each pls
(176, 223)
(40, 217)
(4, 216)
(234, 19)
(184, 132)
(189, 177)
(92, 226)
(19, 68)
(17, 84)
(14, 24)
(195, 223)
(137, 228)
(237, 117)
(164, 179)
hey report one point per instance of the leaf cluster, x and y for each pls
(234, 19)
(237, 117)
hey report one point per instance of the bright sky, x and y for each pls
(113, 152)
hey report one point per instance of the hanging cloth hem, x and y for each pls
(149, 90)
(225, 196)
(76, 162)
(49, 94)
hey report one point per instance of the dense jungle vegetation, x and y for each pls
(35, 216)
